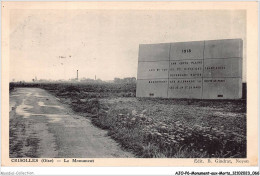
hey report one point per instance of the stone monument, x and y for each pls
(196, 70)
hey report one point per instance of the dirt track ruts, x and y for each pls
(41, 126)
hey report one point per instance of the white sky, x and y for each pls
(105, 42)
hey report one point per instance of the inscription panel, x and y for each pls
(187, 50)
(154, 52)
(223, 48)
(152, 88)
(222, 88)
(148, 70)
(186, 69)
(230, 67)
(185, 88)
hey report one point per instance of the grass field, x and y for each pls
(179, 128)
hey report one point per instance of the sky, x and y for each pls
(53, 44)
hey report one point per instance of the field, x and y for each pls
(158, 128)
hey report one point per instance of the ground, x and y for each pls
(41, 126)
(155, 127)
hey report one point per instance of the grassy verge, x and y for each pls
(164, 128)
(160, 127)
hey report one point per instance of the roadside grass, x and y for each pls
(149, 137)
(159, 128)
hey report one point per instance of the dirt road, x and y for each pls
(40, 126)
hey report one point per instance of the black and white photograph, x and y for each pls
(88, 84)
(108, 84)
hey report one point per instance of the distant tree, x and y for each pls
(127, 80)
(117, 80)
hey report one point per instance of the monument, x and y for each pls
(197, 70)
